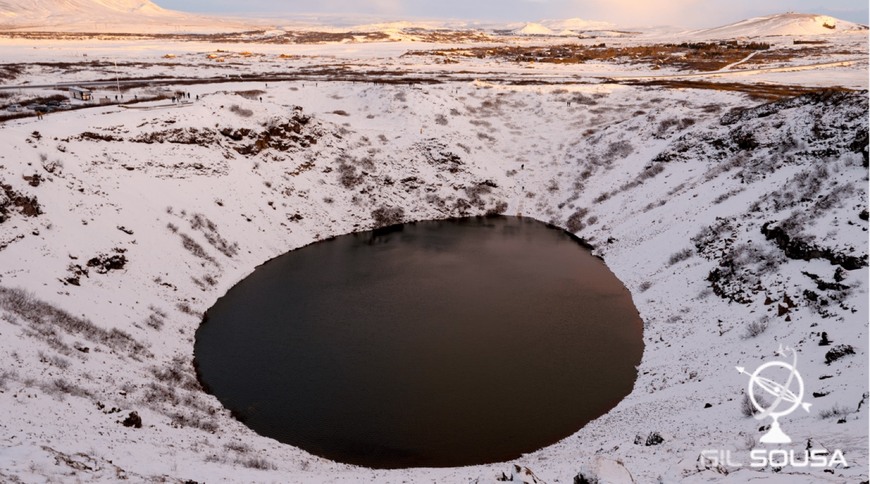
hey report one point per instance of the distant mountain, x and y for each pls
(794, 24)
(565, 27)
(128, 16)
(576, 25)
(534, 29)
(18, 8)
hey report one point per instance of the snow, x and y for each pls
(576, 24)
(548, 159)
(534, 29)
(566, 28)
(124, 16)
(791, 24)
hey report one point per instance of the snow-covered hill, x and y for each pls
(18, 8)
(563, 28)
(106, 16)
(144, 16)
(576, 24)
(533, 28)
(790, 24)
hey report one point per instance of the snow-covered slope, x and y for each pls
(533, 28)
(737, 227)
(563, 28)
(791, 24)
(105, 16)
(96, 8)
(576, 24)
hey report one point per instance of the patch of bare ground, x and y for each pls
(262, 37)
(694, 56)
(764, 92)
(254, 36)
(450, 36)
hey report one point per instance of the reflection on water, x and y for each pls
(430, 344)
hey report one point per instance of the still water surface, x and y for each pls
(440, 343)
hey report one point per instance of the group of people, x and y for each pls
(182, 95)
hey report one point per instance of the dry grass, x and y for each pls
(765, 92)
(45, 319)
(245, 113)
(837, 411)
(704, 56)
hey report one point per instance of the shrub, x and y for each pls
(486, 137)
(835, 411)
(187, 309)
(680, 256)
(156, 319)
(5, 377)
(258, 463)
(194, 248)
(210, 230)
(499, 208)
(748, 409)
(174, 374)
(60, 387)
(757, 327)
(238, 447)
(347, 176)
(665, 125)
(55, 360)
(252, 94)
(619, 149)
(43, 317)
(179, 420)
(579, 98)
(385, 216)
(604, 196)
(245, 113)
(575, 221)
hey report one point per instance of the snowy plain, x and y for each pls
(674, 187)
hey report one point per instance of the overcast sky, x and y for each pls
(687, 13)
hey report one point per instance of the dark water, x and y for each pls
(436, 344)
